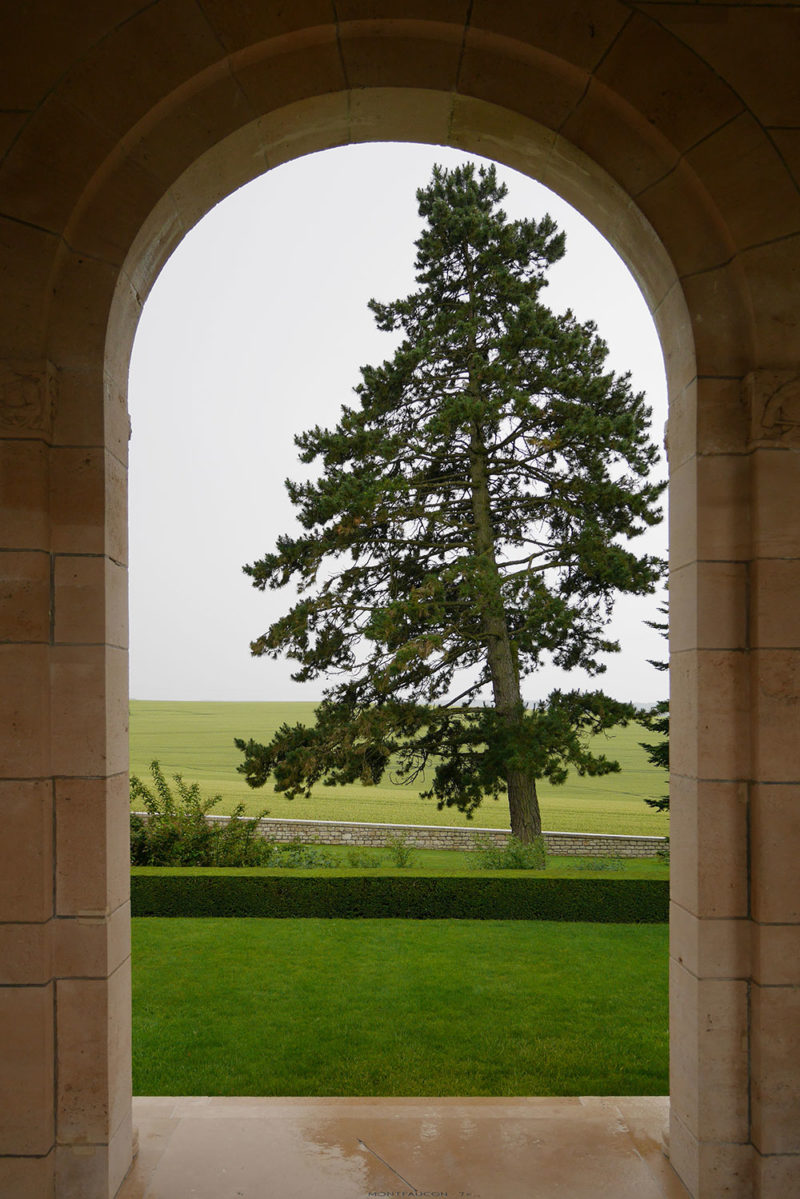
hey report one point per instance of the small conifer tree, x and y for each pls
(656, 720)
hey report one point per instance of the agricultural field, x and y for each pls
(196, 740)
(398, 1007)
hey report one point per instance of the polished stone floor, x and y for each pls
(226, 1148)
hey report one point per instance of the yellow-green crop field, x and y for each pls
(196, 740)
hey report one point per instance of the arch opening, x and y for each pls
(531, 149)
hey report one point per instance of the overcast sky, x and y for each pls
(255, 330)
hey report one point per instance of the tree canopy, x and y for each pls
(470, 522)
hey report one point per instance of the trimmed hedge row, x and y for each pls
(190, 892)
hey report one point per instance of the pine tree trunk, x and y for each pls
(523, 805)
(526, 821)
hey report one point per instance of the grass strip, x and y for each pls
(398, 1007)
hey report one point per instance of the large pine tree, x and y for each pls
(469, 523)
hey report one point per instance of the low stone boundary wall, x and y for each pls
(431, 836)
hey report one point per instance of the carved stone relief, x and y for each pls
(774, 399)
(27, 398)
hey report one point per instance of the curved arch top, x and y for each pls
(392, 114)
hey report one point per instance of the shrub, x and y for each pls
(514, 855)
(598, 864)
(362, 859)
(175, 831)
(401, 851)
(299, 856)
(413, 896)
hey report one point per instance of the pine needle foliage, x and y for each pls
(656, 720)
(469, 523)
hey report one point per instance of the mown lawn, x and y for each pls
(196, 739)
(448, 862)
(398, 1007)
(455, 861)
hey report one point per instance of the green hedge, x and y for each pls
(196, 892)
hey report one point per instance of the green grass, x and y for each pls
(455, 861)
(196, 739)
(449, 862)
(398, 1007)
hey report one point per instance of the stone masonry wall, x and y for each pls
(429, 836)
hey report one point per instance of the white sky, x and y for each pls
(255, 330)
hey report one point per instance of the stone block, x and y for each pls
(78, 318)
(519, 78)
(167, 45)
(709, 842)
(709, 1059)
(582, 36)
(91, 601)
(708, 606)
(711, 721)
(778, 1177)
(84, 1170)
(26, 954)
(305, 127)
(665, 82)
(25, 597)
(713, 418)
(26, 1080)
(400, 114)
(78, 500)
(711, 1168)
(710, 948)
(28, 1177)
(748, 181)
(28, 256)
(241, 26)
(723, 332)
(771, 274)
(774, 611)
(683, 515)
(89, 710)
(673, 322)
(272, 77)
(92, 840)
(776, 955)
(775, 1031)
(24, 711)
(775, 691)
(91, 947)
(94, 1091)
(78, 710)
(24, 502)
(774, 836)
(603, 126)
(59, 145)
(78, 418)
(776, 524)
(216, 110)
(706, 244)
(26, 851)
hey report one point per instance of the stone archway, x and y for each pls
(127, 126)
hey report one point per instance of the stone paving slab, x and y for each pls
(254, 1148)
